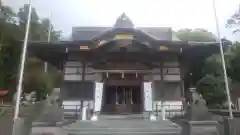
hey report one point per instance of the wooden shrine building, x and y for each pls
(123, 69)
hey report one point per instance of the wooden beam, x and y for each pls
(83, 71)
(123, 71)
(161, 70)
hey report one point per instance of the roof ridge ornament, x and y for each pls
(123, 22)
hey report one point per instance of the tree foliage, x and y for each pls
(234, 71)
(39, 27)
(11, 33)
(198, 35)
(234, 21)
(207, 73)
(212, 88)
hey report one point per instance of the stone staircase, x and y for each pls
(122, 125)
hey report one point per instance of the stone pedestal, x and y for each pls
(231, 126)
(197, 110)
(18, 127)
(200, 128)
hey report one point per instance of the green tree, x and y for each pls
(11, 33)
(55, 35)
(39, 27)
(234, 21)
(207, 73)
(198, 35)
(213, 64)
(38, 32)
(211, 85)
(234, 71)
(9, 46)
(212, 88)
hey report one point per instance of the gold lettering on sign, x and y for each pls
(163, 48)
(124, 36)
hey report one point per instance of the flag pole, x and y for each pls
(223, 61)
(22, 63)
(48, 40)
(49, 28)
(3, 15)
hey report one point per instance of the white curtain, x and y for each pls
(148, 102)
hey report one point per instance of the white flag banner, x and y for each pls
(98, 96)
(147, 86)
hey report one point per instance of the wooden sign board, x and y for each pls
(83, 47)
(163, 48)
(124, 36)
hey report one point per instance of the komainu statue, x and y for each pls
(198, 108)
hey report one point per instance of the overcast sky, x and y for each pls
(162, 13)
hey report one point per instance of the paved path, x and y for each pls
(47, 131)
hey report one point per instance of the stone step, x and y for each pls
(122, 117)
(123, 127)
(123, 133)
(124, 124)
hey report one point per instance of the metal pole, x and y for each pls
(22, 63)
(1, 42)
(223, 62)
(48, 40)
(49, 29)
(3, 15)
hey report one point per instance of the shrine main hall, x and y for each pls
(123, 69)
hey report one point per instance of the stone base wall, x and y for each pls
(23, 126)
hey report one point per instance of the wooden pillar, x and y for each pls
(182, 88)
(182, 82)
(162, 75)
(83, 71)
(162, 82)
(83, 79)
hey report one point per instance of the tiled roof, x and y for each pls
(158, 33)
(87, 33)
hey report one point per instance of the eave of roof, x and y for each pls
(91, 44)
(55, 52)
